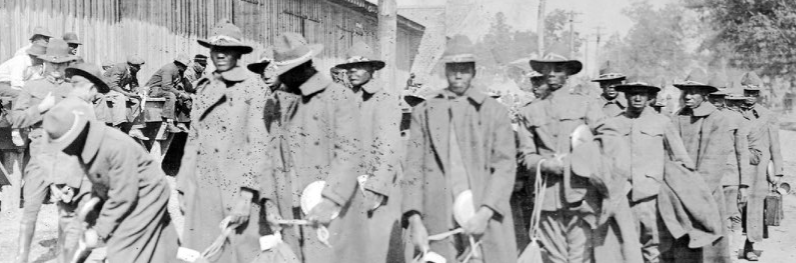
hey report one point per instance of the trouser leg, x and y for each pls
(565, 237)
(34, 193)
(169, 109)
(649, 226)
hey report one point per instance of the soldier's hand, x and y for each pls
(242, 209)
(272, 215)
(419, 233)
(477, 225)
(553, 166)
(91, 238)
(46, 103)
(776, 179)
(743, 195)
(324, 213)
(374, 200)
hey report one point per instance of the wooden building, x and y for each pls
(157, 30)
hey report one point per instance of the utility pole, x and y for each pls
(572, 15)
(388, 29)
(540, 27)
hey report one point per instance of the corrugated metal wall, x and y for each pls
(157, 30)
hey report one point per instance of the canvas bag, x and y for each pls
(533, 252)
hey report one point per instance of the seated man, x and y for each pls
(123, 81)
(167, 83)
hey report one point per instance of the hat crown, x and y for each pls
(751, 79)
(70, 37)
(290, 46)
(57, 48)
(183, 59)
(135, 60)
(718, 80)
(40, 31)
(697, 76)
(225, 31)
(360, 52)
(459, 47)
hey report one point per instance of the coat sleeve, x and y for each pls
(185, 176)
(528, 156)
(18, 69)
(775, 148)
(24, 111)
(385, 146)
(342, 178)
(256, 138)
(755, 138)
(675, 146)
(742, 152)
(122, 192)
(418, 150)
(503, 165)
(594, 114)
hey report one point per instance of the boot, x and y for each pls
(26, 231)
(182, 127)
(749, 251)
(170, 127)
(137, 134)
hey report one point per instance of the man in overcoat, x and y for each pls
(571, 203)
(609, 99)
(123, 81)
(168, 83)
(315, 141)
(707, 138)
(766, 121)
(133, 220)
(379, 131)
(225, 152)
(460, 141)
(26, 113)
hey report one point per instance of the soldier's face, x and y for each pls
(717, 101)
(541, 90)
(224, 58)
(134, 69)
(751, 96)
(270, 77)
(41, 40)
(608, 88)
(83, 86)
(73, 49)
(637, 99)
(460, 76)
(360, 74)
(734, 104)
(556, 75)
(694, 97)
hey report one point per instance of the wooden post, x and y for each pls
(540, 28)
(388, 30)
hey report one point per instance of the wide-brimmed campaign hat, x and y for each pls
(225, 34)
(574, 66)
(719, 81)
(71, 38)
(291, 50)
(265, 59)
(57, 52)
(697, 79)
(361, 53)
(458, 50)
(40, 31)
(37, 50)
(413, 100)
(63, 123)
(533, 74)
(200, 58)
(91, 72)
(183, 59)
(135, 60)
(636, 85)
(751, 81)
(735, 96)
(607, 73)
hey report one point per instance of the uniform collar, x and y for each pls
(94, 138)
(705, 109)
(371, 87)
(616, 101)
(472, 93)
(236, 74)
(314, 84)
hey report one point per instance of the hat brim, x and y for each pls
(709, 88)
(258, 67)
(625, 87)
(245, 49)
(74, 42)
(413, 100)
(377, 64)
(69, 137)
(315, 49)
(101, 86)
(620, 78)
(53, 59)
(574, 65)
(33, 54)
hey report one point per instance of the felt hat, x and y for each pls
(107, 63)
(697, 79)
(413, 100)
(458, 50)
(750, 81)
(71, 38)
(135, 60)
(533, 74)
(57, 52)
(607, 73)
(574, 66)
(265, 59)
(200, 58)
(292, 50)
(40, 31)
(183, 59)
(636, 84)
(91, 72)
(225, 34)
(735, 96)
(37, 50)
(658, 104)
(63, 123)
(719, 81)
(361, 53)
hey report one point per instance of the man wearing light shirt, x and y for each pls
(19, 69)
(40, 36)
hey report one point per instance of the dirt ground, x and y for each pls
(780, 247)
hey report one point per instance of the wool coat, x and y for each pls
(224, 154)
(488, 153)
(765, 124)
(706, 136)
(316, 138)
(133, 218)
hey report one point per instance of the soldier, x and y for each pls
(19, 69)
(74, 43)
(167, 83)
(315, 143)
(225, 152)
(609, 99)
(707, 138)
(646, 132)
(266, 69)
(196, 69)
(123, 81)
(567, 216)
(133, 220)
(40, 36)
(539, 87)
(767, 122)
(26, 113)
(472, 137)
(379, 120)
